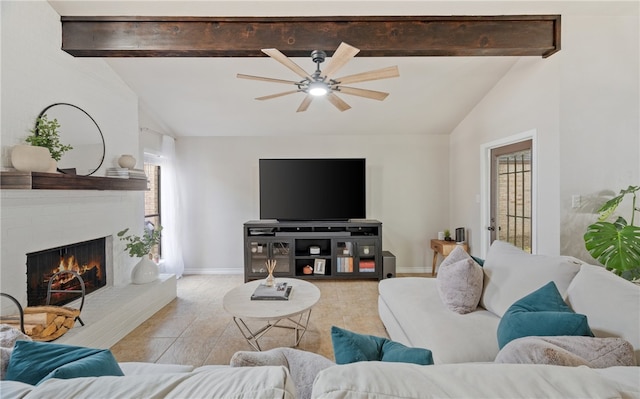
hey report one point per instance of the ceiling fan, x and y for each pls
(323, 83)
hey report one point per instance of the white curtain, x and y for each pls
(172, 261)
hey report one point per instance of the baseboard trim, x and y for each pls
(213, 271)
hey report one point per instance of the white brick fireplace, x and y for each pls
(34, 220)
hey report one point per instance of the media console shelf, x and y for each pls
(344, 249)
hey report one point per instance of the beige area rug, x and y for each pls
(195, 329)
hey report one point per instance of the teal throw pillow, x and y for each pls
(541, 313)
(479, 261)
(350, 347)
(33, 362)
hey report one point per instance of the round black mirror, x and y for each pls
(80, 130)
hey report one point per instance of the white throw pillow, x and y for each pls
(511, 273)
(611, 304)
(459, 282)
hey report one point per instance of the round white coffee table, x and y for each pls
(303, 297)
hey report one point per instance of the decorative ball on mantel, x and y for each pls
(127, 161)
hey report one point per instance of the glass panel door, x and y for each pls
(345, 258)
(262, 250)
(280, 252)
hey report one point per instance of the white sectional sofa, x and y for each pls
(356, 380)
(414, 314)
(464, 347)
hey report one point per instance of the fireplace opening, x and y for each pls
(87, 258)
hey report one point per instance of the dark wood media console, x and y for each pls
(335, 250)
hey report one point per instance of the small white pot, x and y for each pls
(127, 161)
(30, 158)
(145, 271)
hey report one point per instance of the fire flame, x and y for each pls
(70, 263)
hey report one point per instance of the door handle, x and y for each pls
(491, 228)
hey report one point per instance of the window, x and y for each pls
(152, 202)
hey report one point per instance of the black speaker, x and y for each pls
(460, 236)
(388, 265)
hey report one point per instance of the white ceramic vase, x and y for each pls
(30, 158)
(145, 271)
(53, 166)
(127, 161)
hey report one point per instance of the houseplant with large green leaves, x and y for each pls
(616, 244)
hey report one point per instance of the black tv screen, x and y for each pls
(312, 189)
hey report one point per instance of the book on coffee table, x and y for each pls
(277, 292)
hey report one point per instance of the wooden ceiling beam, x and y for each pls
(375, 36)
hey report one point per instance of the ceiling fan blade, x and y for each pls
(305, 103)
(284, 60)
(384, 73)
(343, 54)
(269, 97)
(372, 94)
(337, 102)
(251, 77)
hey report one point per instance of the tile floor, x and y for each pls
(195, 329)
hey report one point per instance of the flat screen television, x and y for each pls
(312, 189)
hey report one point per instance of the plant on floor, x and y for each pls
(616, 244)
(141, 246)
(46, 134)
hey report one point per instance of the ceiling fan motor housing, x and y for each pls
(318, 56)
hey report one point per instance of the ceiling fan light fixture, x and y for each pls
(318, 88)
(319, 83)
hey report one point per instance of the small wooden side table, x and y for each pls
(443, 248)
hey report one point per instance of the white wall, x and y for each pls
(519, 103)
(36, 73)
(583, 103)
(599, 119)
(407, 186)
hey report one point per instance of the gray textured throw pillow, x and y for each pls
(303, 366)
(569, 351)
(460, 281)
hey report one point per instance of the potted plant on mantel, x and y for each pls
(616, 244)
(45, 148)
(146, 270)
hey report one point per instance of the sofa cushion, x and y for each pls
(510, 273)
(470, 380)
(414, 315)
(34, 362)
(541, 313)
(568, 351)
(267, 382)
(460, 281)
(611, 303)
(349, 347)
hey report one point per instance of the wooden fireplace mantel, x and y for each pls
(57, 181)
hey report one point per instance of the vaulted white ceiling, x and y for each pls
(203, 97)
